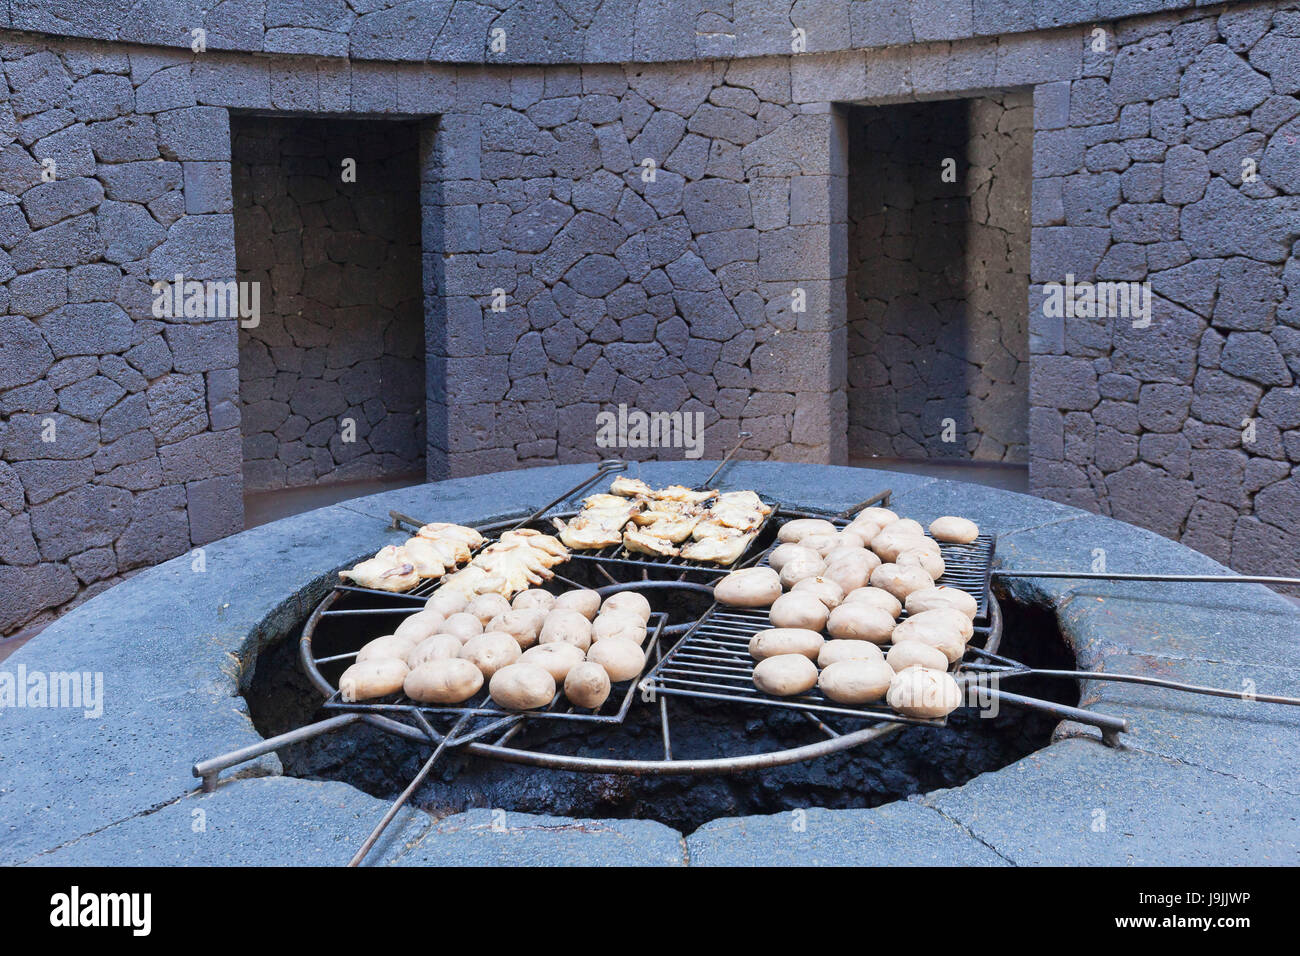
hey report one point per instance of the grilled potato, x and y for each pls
(420, 625)
(436, 648)
(749, 587)
(785, 675)
(446, 680)
(587, 685)
(922, 692)
(856, 681)
(839, 650)
(799, 610)
(585, 601)
(786, 640)
(622, 659)
(952, 528)
(491, 651)
(628, 601)
(915, 654)
(557, 659)
(929, 598)
(538, 599)
(373, 678)
(860, 622)
(567, 626)
(522, 686)
(388, 646)
(900, 581)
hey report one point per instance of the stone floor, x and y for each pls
(263, 507)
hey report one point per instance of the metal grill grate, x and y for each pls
(614, 555)
(713, 662)
(966, 566)
(489, 715)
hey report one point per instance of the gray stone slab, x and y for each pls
(506, 838)
(64, 776)
(171, 646)
(1078, 803)
(1205, 622)
(896, 834)
(267, 821)
(1244, 739)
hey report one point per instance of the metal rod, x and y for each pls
(1108, 725)
(405, 795)
(1186, 578)
(881, 498)
(741, 439)
(606, 467)
(209, 770)
(1023, 671)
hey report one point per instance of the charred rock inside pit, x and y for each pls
(916, 760)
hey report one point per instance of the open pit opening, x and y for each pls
(913, 761)
(938, 279)
(332, 376)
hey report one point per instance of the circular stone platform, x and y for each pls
(1201, 780)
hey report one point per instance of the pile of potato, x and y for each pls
(524, 649)
(852, 584)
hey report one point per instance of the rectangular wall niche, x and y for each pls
(332, 379)
(938, 279)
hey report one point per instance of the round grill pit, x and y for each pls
(913, 761)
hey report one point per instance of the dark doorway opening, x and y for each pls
(332, 378)
(938, 282)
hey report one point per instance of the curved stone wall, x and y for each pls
(120, 441)
(556, 31)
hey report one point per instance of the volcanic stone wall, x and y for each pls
(331, 382)
(938, 271)
(119, 430)
(645, 230)
(673, 234)
(1174, 159)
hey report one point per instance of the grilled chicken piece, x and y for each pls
(737, 517)
(603, 502)
(441, 530)
(675, 529)
(643, 542)
(742, 499)
(661, 510)
(584, 534)
(426, 558)
(539, 541)
(717, 548)
(630, 487)
(472, 581)
(389, 570)
(517, 561)
(682, 493)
